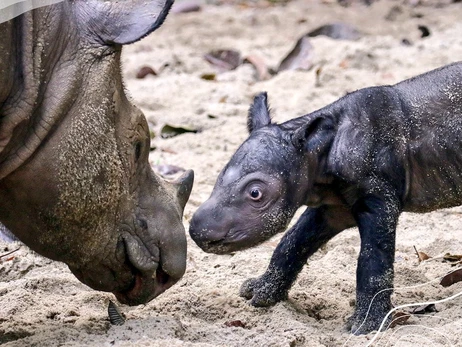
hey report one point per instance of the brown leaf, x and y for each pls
(399, 318)
(224, 59)
(259, 65)
(209, 76)
(451, 278)
(452, 257)
(421, 255)
(300, 57)
(169, 130)
(235, 323)
(424, 309)
(144, 71)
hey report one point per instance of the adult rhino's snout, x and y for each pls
(156, 249)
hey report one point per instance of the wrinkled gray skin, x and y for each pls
(360, 161)
(75, 182)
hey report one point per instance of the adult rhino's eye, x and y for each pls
(255, 194)
(138, 150)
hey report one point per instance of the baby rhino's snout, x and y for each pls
(206, 230)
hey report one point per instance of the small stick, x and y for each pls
(7, 254)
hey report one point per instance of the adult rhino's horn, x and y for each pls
(120, 22)
(183, 187)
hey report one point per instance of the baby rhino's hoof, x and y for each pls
(247, 287)
(360, 324)
(261, 293)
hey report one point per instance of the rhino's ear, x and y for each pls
(259, 113)
(120, 22)
(315, 135)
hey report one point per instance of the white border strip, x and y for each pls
(13, 8)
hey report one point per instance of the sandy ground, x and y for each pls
(42, 304)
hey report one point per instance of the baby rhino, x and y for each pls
(360, 161)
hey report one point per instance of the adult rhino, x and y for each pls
(75, 182)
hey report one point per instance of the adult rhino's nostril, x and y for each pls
(142, 223)
(120, 250)
(161, 276)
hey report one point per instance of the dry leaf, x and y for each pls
(336, 31)
(399, 318)
(300, 57)
(424, 309)
(235, 323)
(259, 65)
(209, 76)
(421, 255)
(144, 71)
(169, 130)
(224, 59)
(452, 257)
(451, 278)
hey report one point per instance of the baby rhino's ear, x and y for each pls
(259, 113)
(315, 135)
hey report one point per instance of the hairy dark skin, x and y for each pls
(358, 162)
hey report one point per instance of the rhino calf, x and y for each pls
(360, 161)
(75, 182)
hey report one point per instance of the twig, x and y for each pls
(7, 254)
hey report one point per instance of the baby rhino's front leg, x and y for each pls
(314, 228)
(377, 218)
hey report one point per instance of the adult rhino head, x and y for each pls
(75, 182)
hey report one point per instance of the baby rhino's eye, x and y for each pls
(255, 194)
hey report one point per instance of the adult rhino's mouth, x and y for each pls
(149, 277)
(144, 288)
